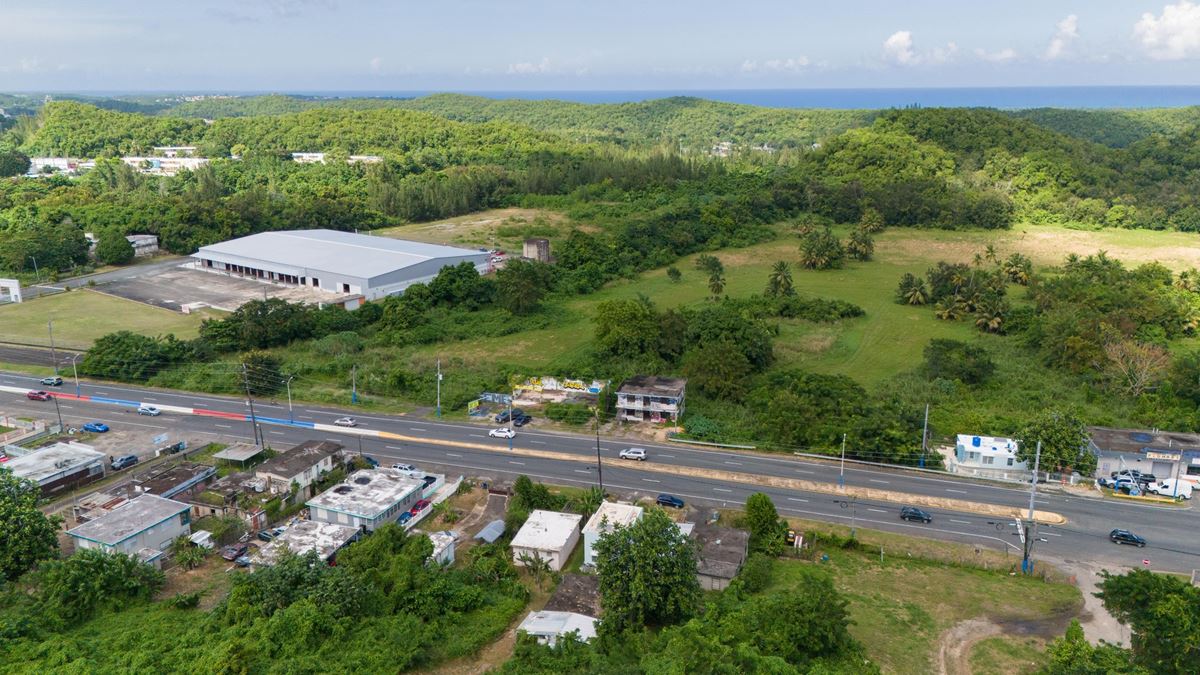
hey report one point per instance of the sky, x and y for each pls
(522, 45)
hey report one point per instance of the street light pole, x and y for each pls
(53, 355)
(76, 371)
(59, 411)
(924, 435)
(439, 387)
(599, 462)
(291, 417)
(842, 470)
(250, 402)
(1031, 526)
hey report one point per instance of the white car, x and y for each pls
(502, 432)
(346, 422)
(149, 410)
(634, 453)
(404, 467)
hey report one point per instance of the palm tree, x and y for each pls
(539, 567)
(989, 318)
(916, 293)
(989, 253)
(716, 285)
(950, 309)
(780, 282)
(1187, 280)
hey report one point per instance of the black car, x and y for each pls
(505, 415)
(1136, 475)
(669, 500)
(913, 513)
(521, 420)
(1126, 537)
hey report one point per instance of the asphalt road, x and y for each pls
(1169, 530)
(120, 274)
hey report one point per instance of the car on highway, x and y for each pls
(505, 415)
(123, 461)
(345, 422)
(95, 427)
(669, 500)
(54, 381)
(1126, 537)
(912, 513)
(638, 454)
(502, 432)
(37, 396)
(234, 551)
(404, 467)
(521, 420)
(148, 410)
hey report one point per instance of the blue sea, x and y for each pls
(1009, 98)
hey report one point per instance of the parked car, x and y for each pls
(504, 415)
(1126, 537)
(1172, 487)
(669, 500)
(419, 506)
(1134, 474)
(404, 467)
(522, 420)
(346, 422)
(234, 551)
(53, 381)
(124, 461)
(95, 427)
(266, 535)
(37, 396)
(638, 454)
(428, 480)
(912, 513)
(148, 410)
(502, 432)
(405, 517)
(242, 561)
(371, 461)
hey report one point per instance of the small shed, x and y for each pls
(491, 532)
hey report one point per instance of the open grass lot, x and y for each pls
(1008, 656)
(901, 607)
(81, 316)
(502, 229)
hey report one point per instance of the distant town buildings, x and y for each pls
(165, 166)
(175, 150)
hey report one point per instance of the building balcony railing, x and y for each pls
(652, 406)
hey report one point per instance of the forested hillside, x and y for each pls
(1115, 128)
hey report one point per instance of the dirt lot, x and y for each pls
(179, 286)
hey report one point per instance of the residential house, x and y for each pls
(609, 516)
(308, 535)
(302, 466)
(648, 398)
(549, 535)
(722, 552)
(550, 627)
(184, 479)
(59, 467)
(143, 527)
(988, 457)
(443, 547)
(367, 499)
(240, 495)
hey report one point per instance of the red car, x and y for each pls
(37, 396)
(421, 504)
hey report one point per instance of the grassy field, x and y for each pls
(81, 316)
(1008, 656)
(901, 607)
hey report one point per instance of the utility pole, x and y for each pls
(250, 402)
(59, 411)
(76, 371)
(1031, 525)
(924, 435)
(842, 470)
(354, 384)
(36, 273)
(53, 356)
(439, 387)
(291, 417)
(599, 462)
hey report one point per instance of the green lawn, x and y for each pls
(902, 606)
(81, 316)
(1008, 656)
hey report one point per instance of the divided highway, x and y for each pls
(467, 449)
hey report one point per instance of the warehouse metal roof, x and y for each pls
(347, 253)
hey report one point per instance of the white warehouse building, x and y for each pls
(339, 262)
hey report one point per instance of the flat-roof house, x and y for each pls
(59, 467)
(988, 457)
(649, 398)
(549, 535)
(308, 535)
(550, 627)
(607, 517)
(367, 499)
(302, 465)
(722, 550)
(443, 547)
(143, 526)
(333, 261)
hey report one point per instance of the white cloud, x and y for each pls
(795, 65)
(1067, 31)
(529, 68)
(899, 49)
(1174, 35)
(375, 63)
(1002, 56)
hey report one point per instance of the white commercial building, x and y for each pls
(607, 517)
(987, 457)
(549, 535)
(143, 527)
(338, 262)
(367, 499)
(548, 627)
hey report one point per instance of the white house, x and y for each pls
(548, 627)
(549, 535)
(607, 517)
(443, 547)
(987, 456)
(144, 527)
(368, 498)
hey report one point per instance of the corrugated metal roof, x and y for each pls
(345, 253)
(491, 532)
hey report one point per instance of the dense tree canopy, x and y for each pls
(28, 535)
